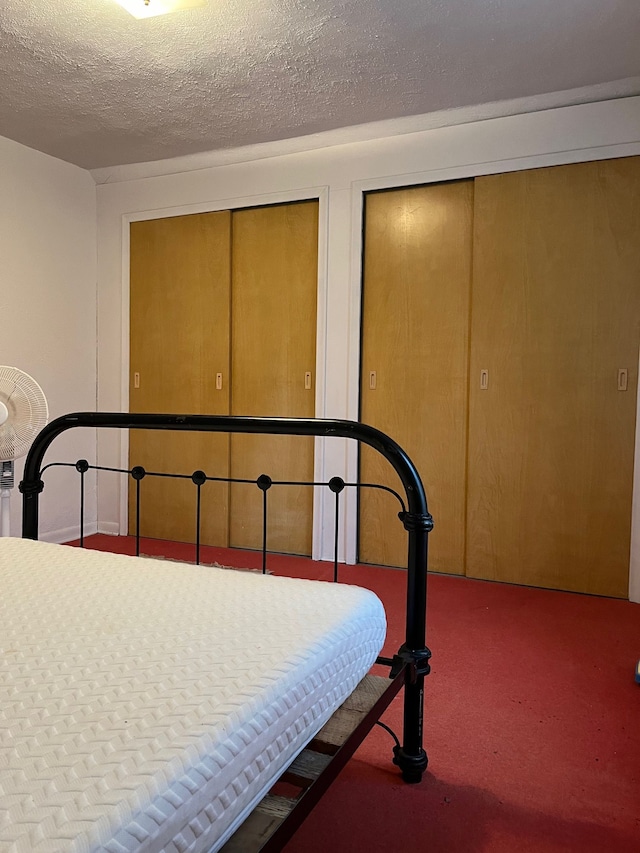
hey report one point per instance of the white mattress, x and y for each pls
(148, 705)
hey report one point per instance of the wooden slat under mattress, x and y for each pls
(315, 767)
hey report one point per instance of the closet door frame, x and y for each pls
(358, 191)
(322, 509)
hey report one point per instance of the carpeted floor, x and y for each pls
(532, 723)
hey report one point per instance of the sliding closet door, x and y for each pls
(180, 276)
(273, 346)
(555, 330)
(415, 325)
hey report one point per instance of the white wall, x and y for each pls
(48, 308)
(339, 175)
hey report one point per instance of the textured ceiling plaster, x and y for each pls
(84, 81)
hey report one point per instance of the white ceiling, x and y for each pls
(84, 81)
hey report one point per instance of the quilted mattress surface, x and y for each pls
(147, 706)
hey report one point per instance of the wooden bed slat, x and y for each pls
(258, 827)
(338, 729)
(275, 806)
(309, 767)
(348, 716)
(366, 693)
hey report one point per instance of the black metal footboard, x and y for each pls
(413, 656)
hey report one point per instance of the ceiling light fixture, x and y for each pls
(151, 8)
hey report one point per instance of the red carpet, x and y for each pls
(532, 722)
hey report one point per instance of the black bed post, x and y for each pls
(411, 757)
(31, 494)
(31, 486)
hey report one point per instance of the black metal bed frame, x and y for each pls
(410, 664)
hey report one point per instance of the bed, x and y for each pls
(155, 707)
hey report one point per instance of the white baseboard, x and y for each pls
(69, 534)
(109, 528)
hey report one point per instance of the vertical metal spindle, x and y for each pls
(82, 509)
(137, 518)
(264, 484)
(264, 532)
(82, 466)
(336, 484)
(199, 478)
(138, 474)
(335, 540)
(198, 487)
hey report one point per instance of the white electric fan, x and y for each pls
(23, 413)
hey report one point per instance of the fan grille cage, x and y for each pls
(27, 412)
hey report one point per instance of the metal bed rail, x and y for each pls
(264, 483)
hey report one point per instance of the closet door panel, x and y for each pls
(273, 346)
(179, 330)
(555, 317)
(417, 269)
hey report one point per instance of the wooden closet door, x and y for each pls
(555, 318)
(179, 328)
(415, 322)
(273, 346)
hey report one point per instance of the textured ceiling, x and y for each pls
(84, 81)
